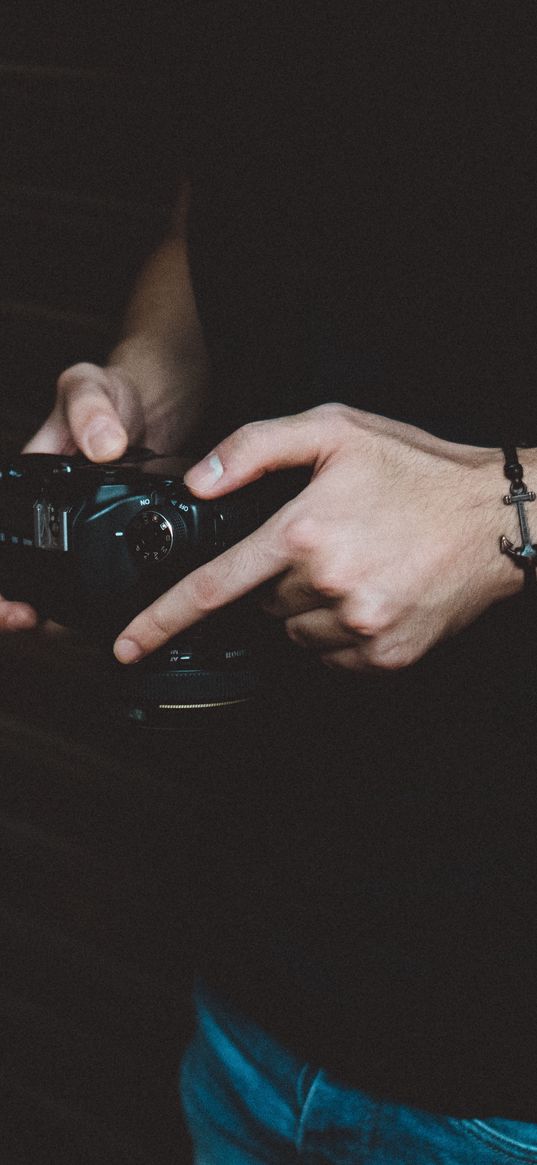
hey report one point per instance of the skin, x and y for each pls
(153, 390)
(99, 411)
(391, 547)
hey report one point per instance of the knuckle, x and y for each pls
(301, 536)
(205, 591)
(243, 438)
(329, 587)
(354, 623)
(84, 401)
(239, 446)
(158, 624)
(370, 618)
(344, 661)
(329, 582)
(391, 656)
(77, 374)
(333, 413)
(295, 635)
(87, 402)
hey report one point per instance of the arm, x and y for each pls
(162, 349)
(155, 384)
(152, 391)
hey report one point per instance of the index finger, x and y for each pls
(232, 575)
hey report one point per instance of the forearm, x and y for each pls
(162, 348)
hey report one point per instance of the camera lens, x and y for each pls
(215, 669)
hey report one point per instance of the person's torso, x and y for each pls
(362, 229)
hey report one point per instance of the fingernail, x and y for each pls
(206, 473)
(127, 651)
(104, 438)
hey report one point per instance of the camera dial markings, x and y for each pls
(152, 535)
(75, 510)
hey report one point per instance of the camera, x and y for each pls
(90, 546)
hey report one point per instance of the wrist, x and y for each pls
(162, 375)
(157, 370)
(507, 573)
(520, 497)
(171, 388)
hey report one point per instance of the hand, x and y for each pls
(99, 411)
(391, 547)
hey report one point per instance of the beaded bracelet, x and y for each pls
(525, 555)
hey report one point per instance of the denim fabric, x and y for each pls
(248, 1101)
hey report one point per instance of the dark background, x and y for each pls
(94, 914)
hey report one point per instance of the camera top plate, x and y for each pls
(168, 467)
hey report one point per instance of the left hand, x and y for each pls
(392, 546)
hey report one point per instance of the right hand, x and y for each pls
(99, 411)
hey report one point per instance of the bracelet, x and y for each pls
(525, 555)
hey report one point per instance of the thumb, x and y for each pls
(53, 436)
(84, 416)
(258, 448)
(92, 418)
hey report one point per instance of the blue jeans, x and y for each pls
(247, 1101)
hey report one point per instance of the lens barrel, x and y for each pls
(211, 672)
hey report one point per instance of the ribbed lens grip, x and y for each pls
(195, 688)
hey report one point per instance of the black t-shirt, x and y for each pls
(362, 229)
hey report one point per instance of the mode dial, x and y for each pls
(151, 535)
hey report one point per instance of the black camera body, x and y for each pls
(90, 546)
